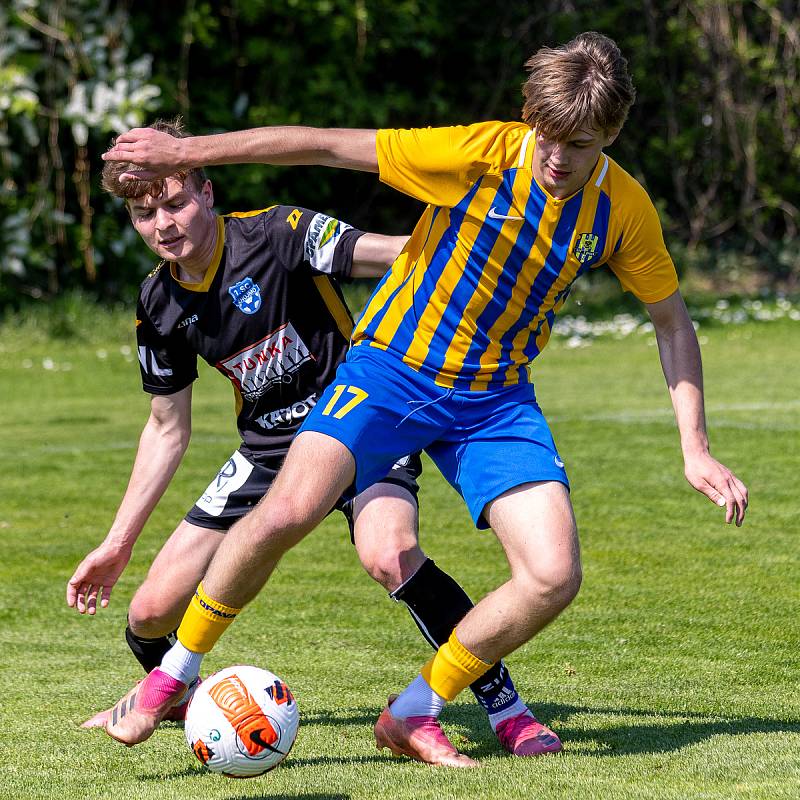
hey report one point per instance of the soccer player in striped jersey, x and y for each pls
(515, 213)
(256, 295)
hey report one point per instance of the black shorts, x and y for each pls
(241, 483)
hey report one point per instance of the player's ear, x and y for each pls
(207, 193)
(611, 136)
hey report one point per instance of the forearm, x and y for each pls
(683, 370)
(682, 366)
(157, 459)
(283, 145)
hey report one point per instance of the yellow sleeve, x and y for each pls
(642, 263)
(439, 165)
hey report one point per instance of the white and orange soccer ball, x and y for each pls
(242, 721)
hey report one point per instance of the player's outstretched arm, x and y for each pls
(680, 359)
(161, 447)
(375, 253)
(158, 155)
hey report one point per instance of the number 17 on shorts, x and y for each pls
(343, 400)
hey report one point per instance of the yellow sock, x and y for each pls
(452, 669)
(204, 622)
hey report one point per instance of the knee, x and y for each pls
(148, 617)
(554, 584)
(564, 585)
(391, 560)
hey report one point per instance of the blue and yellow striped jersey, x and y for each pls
(471, 299)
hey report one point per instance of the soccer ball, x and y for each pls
(241, 722)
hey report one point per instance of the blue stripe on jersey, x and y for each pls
(534, 208)
(369, 331)
(553, 264)
(401, 341)
(600, 229)
(602, 215)
(473, 273)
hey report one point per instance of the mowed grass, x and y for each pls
(673, 675)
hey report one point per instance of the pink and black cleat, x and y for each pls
(524, 735)
(136, 716)
(176, 714)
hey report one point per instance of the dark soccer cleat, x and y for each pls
(420, 738)
(136, 716)
(524, 735)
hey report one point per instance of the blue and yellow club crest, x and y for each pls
(585, 247)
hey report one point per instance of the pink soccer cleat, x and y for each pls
(420, 738)
(524, 735)
(175, 714)
(136, 716)
(178, 712)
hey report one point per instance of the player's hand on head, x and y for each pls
(94, 578)
(719, 485)
(156, 154)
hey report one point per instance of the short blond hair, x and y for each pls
(583, 83)
(131, 189)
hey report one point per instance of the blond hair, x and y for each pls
(131, 189)
(583, 83)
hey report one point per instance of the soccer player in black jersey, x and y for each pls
(256, 295)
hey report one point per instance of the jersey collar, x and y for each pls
(204, 285)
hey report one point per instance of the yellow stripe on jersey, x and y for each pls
(244, 214)
(339, 312)
(490, 280)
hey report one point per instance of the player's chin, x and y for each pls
(175, 252)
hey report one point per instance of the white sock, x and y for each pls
(514, 710)
(181, 664)
(417, 700)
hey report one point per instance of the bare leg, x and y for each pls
(317, 470)
(159, 603)
(385, 534)
(161, 600)
(536, 527)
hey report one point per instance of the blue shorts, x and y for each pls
(484, 443)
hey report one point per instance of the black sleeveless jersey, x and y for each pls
(269, 315)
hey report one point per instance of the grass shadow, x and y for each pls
(614, 734)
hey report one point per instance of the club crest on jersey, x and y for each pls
(246, 296)
(585, 247)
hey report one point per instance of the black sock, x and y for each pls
(148, 652)
(437, 604)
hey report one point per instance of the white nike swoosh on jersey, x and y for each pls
(494, 215)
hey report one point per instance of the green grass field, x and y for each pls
(673, 675)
